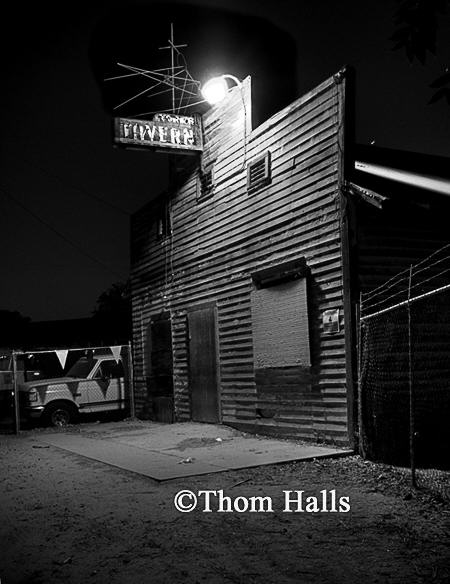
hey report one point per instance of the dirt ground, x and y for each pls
(65, 518)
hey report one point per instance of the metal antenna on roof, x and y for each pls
(175, 79)
(173, 47)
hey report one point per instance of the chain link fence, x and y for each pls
(61, 386)
(404, 371)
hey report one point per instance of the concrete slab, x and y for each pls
(142, 461)
(158, 450)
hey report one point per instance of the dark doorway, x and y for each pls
(203, 364)
(160, 380)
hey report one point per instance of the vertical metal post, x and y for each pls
(131, 381)
(16, 395)
(411, 390)
(359, 365)
(172, 56)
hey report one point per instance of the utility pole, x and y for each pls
(16, 395)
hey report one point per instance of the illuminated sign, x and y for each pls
(163, 132)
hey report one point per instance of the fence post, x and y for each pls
(16, 395)
(411, 389)
(361, 447)
(131, 381)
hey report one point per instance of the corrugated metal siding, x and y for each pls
(391, 239)
(218, 243)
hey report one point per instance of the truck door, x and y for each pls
(107, 388)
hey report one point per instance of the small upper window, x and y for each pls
(205, 183)
(163, 223)
(259, 172)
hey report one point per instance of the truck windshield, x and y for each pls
(5, 363)
(81, 368)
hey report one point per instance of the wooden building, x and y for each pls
(246, 274)
(239, 276)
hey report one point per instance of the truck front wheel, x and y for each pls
(60, 414)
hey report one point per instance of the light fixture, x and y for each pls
(217, 88)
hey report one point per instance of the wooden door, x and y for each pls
(160, 379)
(161, 358)
(203, 365)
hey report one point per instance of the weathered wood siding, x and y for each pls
(217, 243)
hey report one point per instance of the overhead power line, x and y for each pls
(61, 235)
(71, 185)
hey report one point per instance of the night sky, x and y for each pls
(66, 194)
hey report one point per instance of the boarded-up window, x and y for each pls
(280, 325)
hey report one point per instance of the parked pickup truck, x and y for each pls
(93, 384)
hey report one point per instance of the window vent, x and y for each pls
(205, 183)
(259, 173)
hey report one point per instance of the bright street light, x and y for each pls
(217, 88)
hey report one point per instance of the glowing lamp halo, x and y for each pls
(216, 89)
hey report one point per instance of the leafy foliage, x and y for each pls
(417, 27)
(113, 311)
(443, 83)
(114, 299)
(13, 328)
